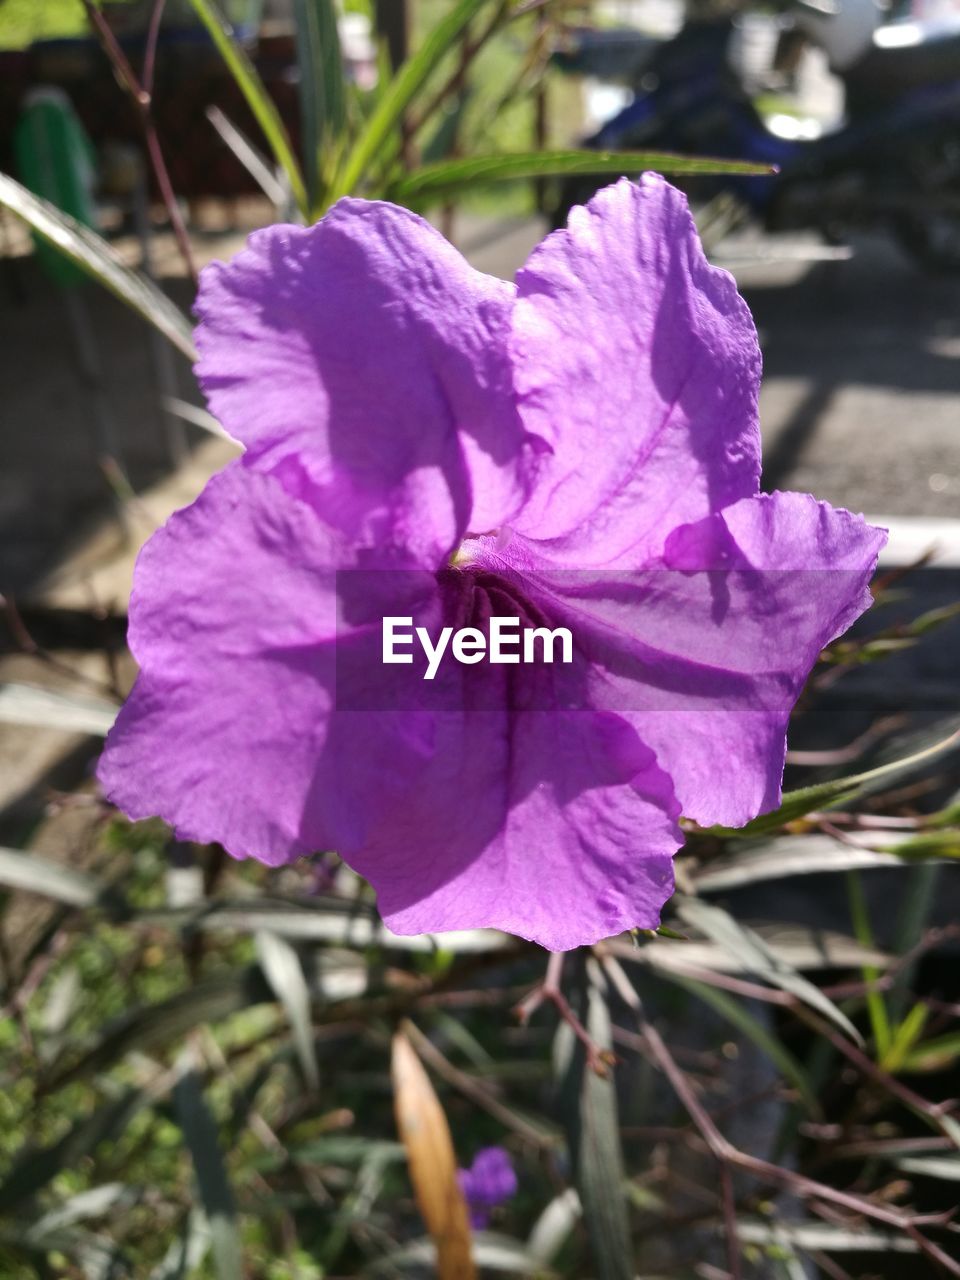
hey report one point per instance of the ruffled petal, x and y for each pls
(706, 654)
(365, 354)
(784, 575)
(229, 733)
(638, 362)
(555, 826)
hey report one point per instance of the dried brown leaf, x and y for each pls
(425, 1134)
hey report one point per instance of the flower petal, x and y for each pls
(228, 733)
(556, 827)
(794, 574)
(638, 362)
(706, 654)
(369, 350)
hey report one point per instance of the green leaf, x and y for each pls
(94, 256)
(258, 166)
(158, 1026)
(801, 947)
(797, 804)
(917, 902)
(592, 1124)
(305, 921)
(756, 957)
(788, 855)
(945, 1167)
(935, 1054)
(34, 1168)
(398, 95)
(811, 852)
(823, 1236)
(258, 100)
(555, 1225)
(927, 844)
(904, 1038)
(441, 180)
(185, 1255)
(200, 1131)
(32, 873)
(93, 1203)
(28, 704)
(863, 932)
(490, 1250)
(283, 970)
(323, 107)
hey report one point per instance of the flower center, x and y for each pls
(472, 595)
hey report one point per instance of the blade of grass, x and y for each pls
(255, 164)
(283, 970)
(785, 856)
(258, 100)
(936, 1054)
(93, 255)
(904, 1038)
(32, 873)
(200, 1132)
(589, 1105)
(797, 804)
(28, 704)
(159, 1025)
(945, 1167)
(918, 902)
(323, 107)
(400, 92)
(447, 177)
(757, 957)
(876, 1005)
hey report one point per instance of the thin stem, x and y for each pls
(150, 56)
(471, 1087)
(143, 102)
(115, 53)
(933, 1112)
(470, 50)
(730, 1221)
(727, 1154)
(598, 1060)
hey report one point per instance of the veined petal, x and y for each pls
(785, 574)
(706, 653)
(368, 350)
(229, 734)
(558, 827)
(638, 362)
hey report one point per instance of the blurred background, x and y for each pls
(206, 1065)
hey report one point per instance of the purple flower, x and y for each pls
(488, 1183)
(578, 450)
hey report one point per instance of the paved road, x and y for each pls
(861, 392)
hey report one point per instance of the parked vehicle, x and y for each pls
(892, 163)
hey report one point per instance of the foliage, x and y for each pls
(23, 21)
(205, 1074)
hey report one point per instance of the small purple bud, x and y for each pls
(489, 1182)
